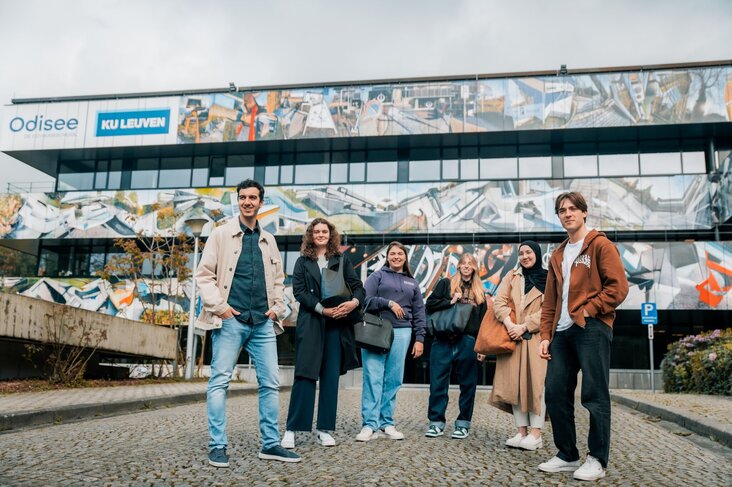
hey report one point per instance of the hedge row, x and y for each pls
(700, 364)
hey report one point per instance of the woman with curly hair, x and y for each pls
(324, 344)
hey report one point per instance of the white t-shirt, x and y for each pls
(571, 251)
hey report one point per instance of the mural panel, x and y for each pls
(684, 202)
(674, 275)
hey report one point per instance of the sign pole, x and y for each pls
(650, 349)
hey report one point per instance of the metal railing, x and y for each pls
(31, 187)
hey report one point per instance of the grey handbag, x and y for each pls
(449, 321)
(333, 288)
(374, 333)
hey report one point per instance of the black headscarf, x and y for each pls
(535, 276)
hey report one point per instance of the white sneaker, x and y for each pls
(367, 434)
(325, 439)
(392, 433)
(288, 441)
(590, 470)
(530, 443)
(515, 442)
(556, 464)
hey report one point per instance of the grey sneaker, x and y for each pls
(460, 433)
(279, 453)
(218, 458)
(434, 431)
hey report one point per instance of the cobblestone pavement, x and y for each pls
(715, 408)
(33, 401)
(167, 447)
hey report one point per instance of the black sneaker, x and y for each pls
(218, 458)
(279, 453)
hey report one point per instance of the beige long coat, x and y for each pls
(520, 375)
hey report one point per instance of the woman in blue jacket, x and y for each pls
(393, 293)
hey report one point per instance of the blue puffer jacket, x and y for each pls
(387, 285)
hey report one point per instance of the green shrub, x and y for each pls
(700, 363)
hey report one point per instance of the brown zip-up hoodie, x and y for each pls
(597, 284)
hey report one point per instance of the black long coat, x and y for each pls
(310, 329)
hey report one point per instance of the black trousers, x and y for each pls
(586, 349)
(302, 399)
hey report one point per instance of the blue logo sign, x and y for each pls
(649, 314)
(136, 122)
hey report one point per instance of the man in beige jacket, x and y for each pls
(238, 258)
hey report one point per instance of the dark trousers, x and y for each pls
(586, 349)
(443, 357)
(302, 399)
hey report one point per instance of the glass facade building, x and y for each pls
(446, 166)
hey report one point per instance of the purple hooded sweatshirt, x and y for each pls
(387, 285)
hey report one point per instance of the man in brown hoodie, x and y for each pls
(585, 283)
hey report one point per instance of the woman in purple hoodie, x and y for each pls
(393, 293)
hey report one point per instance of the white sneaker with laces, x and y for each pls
(530, 443)
(288, 441)
(325, 439)
(366, 434)
(515, 441)
(590, 470)
(556, 464)
(392, 433)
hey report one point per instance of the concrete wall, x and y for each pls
(28, 319)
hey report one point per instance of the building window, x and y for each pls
(358, 172)
(200, 171)
(311, 174)
(76, 175)
(382, 172)
(580, 166)
(499, 168)
(535, 167)
(175, 172)
(271, 174)
(469, 169)
(144, 174)
(286, 174)
(238, 168)
(694, 162)
(339, 173)
(450, 169)
(115, 174)
(422, 171)
(660, 163)
(619, 165)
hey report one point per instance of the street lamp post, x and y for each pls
(196, 226)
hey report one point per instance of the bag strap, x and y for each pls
(368, 300)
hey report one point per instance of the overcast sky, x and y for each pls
(82, 47)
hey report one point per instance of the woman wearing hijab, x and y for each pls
(518, 386)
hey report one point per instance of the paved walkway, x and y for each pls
(706, 415)
(20, 410)
(167, 446)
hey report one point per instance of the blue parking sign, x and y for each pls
(649, 314)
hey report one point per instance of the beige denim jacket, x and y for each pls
(216, 271)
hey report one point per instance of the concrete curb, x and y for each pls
(692, 422)
(73, 413)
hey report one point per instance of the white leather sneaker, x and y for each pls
(515, 441)
(325, 439)
(556, 464)
(530, 443)
(367, 434)
(590, 470)
(392, 433)
(288, 441)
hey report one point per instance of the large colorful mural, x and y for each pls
(541, 102)
(684, 202)
(673, 275)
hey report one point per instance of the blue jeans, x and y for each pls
(226, 343)
(382, 377)
(444, 356)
